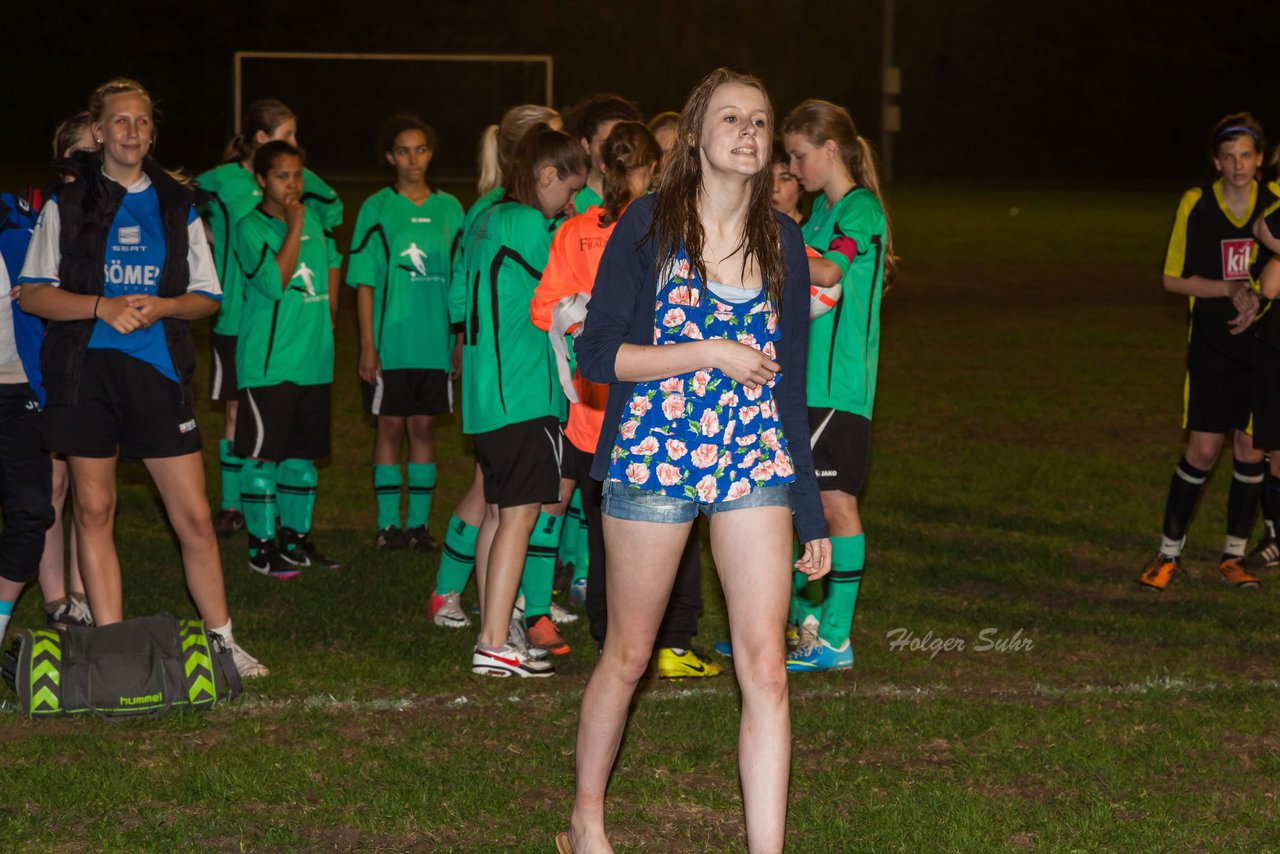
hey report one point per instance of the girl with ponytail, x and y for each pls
(511, 403)
(849, 231)
(458, 557)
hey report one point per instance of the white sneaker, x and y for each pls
(562, 616)
(518, 638)
(248, 666)
(78, 611)
(508, 661)
(446, 610)
(808, 634)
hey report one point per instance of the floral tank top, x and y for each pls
(702, 435)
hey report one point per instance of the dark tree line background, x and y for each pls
(993, 90)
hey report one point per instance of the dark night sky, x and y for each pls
(1010, 90)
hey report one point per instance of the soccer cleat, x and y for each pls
(272, 564)
(1234, 573)
(420, 539)
(578, 593)
(508, 661)
(677, 664)
(562, 616)
(1157, 574)
(248, 666)
(298, 550)
(725, 648)
(1265, 554)
(820, 656)
(392, 539)
(543, 634)
(227, 522)
(445, 610)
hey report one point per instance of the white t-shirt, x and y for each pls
(135, 253)
(11, 370)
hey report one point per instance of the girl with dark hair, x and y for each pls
(1208, 260)
(231, 192)
(847, 226)
(511, 402)
(458, 557)
(401, 258)
(120, 266)
(787, 192)
(705, 413)
(284, 358)
(592, 120)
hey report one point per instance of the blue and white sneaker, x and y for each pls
(820, 656)
(725, 648)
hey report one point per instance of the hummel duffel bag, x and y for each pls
(143, 666)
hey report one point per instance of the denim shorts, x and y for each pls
(623, 501)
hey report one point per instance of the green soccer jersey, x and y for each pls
(404, 252)
(844, 343)
(457, 284)
(233, 193)
(586, 198)
(285, 333)
(508, 370)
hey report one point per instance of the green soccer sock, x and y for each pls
(231, 466)
(296, 490)
(584, 552)
(386, 489)
(568, 553)
(258, 497)
(457, 558)
(848, 555)
(422, 484)
(806, 596)
(540, 566)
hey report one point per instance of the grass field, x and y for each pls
(1025, 431)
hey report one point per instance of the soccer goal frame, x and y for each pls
(239, 56)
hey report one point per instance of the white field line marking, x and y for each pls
(1164, 685)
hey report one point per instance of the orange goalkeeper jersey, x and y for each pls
(571, 269)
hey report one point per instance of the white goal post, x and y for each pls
(241, 55)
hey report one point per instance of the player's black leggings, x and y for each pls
(680, 622)
(26, 482)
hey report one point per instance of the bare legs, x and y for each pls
(53, 585)
(501, 547)
(753, 546)
(390, 433)
(180, 481)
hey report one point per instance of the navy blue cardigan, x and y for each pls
(621, 312)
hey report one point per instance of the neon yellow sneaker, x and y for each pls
(677, 664)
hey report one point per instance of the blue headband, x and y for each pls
(1239, 129)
